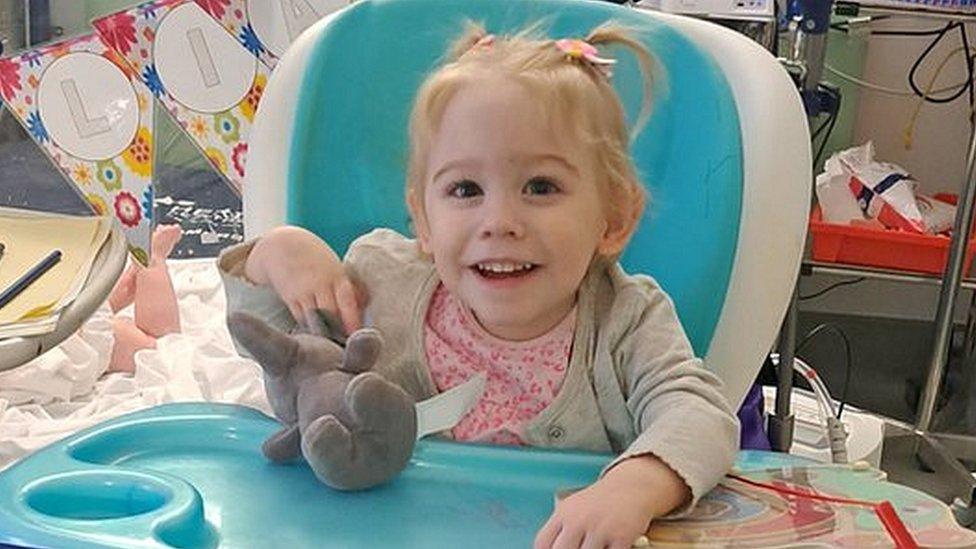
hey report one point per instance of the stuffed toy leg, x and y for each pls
(354, 428)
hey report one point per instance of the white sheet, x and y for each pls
(63, 390)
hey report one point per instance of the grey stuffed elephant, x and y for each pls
(355, 429)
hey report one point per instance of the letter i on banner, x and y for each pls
(268, 27)
(94, 119)
(207, 80)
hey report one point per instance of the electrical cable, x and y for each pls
(932, 32)
(849, 365)
(884, 89)
(910, 128)
(918, 62)
(824, 401)
(969, 68)
(959, 89)
(927, 94)
(819, 129)
(823, 143)
(836, 285)
(832, 121)
(833, 427)
(845, 27)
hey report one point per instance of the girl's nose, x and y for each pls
(501, 219)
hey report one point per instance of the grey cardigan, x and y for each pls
(633, 385)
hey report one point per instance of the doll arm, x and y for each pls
(285, 445)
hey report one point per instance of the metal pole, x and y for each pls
(947, 296)
(781, 422)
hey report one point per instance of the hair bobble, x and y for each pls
(582, 51)
(481, 44)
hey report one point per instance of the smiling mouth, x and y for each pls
(497, 270)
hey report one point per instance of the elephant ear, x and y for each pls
(275, 351)
(362, 351)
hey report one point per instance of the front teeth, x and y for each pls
(504, 267)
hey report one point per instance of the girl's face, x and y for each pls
(512, 214)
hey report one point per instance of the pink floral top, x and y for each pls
(523, 376)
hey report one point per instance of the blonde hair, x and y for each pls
(574, 92)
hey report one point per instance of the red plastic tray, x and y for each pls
(891, 249)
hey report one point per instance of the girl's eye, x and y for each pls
(464, 189)
(541, 185)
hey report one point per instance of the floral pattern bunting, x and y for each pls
(92, 118)
(233, 16)
(226, 70)
(267, 27)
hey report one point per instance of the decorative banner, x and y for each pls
(267, 27)
(94, 119)
(206, 79)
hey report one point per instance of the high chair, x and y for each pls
(725, 155)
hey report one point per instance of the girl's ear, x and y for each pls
(419, 219)
(617, 233)
(614, 240)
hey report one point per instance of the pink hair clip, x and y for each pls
(582, 50)
(485, 41)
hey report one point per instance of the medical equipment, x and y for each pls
(821, 432)
(715, 9)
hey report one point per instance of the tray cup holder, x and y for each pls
(96, 495)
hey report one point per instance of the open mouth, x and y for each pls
(500, 270)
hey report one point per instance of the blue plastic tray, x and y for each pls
(192, 475)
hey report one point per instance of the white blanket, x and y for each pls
(64, 390)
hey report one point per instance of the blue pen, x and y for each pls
(29, 277)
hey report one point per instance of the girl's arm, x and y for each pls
(686, 435)
(679, 411)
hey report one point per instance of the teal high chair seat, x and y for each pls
(725, 155)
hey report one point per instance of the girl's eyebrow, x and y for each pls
(556, 158)
(474, 164)
(461, 164)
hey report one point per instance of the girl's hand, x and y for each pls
(306, 274)
(617, 509)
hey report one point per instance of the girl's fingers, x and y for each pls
(547, 534)
(569, 538)
(594, 540)
(348, 303)
(295, 308)
(325, 300)
(314, 323)
(306, 305)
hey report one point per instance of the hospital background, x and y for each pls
(885, 316)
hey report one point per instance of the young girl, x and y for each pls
(523, 195)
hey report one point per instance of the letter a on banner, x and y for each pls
(268, 27)
(94, 119)
(207, 79)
